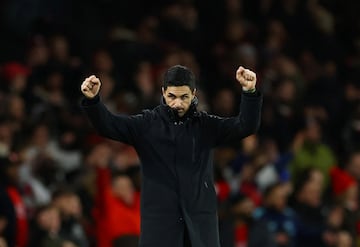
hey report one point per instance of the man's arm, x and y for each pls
(225, 130)
(117, 127)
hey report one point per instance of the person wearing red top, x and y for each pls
(117, 205)
(12, 207)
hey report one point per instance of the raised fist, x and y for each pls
(247, 78)
(91, 86)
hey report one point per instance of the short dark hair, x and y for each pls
(179, 75)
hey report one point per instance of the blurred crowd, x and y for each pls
(294, 183)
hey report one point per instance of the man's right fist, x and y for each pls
(90, 87)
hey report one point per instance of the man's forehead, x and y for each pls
(178, 90)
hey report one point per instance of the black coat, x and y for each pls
(177, 170)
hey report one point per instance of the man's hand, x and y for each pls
(247, 78)
(91, 86)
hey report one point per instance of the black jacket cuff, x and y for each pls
(89, 102)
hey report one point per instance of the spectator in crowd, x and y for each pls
(70, 209)
(239, 228)
(224, 103)
(116, 203)
(344, 188)
(338, 232)
(308, 206)
(313, 152)
(286, 118)
(345, 194)
(46, 228)
(16, 76)
(278, 217)
(15, 230)
(352, 165)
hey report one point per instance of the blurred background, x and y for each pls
(295, 183)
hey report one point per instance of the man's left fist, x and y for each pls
(247, 78)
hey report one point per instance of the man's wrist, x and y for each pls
(90, 101)
(251, 90)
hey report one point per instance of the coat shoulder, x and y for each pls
(150, 115)
(204, 116)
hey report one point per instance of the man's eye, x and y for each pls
(184, 97)
(172, 96)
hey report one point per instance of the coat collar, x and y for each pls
(173, 116)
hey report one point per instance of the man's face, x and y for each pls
(179, 98)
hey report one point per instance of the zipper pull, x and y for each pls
(206, 185)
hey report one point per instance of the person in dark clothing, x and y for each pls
(46, 227)
(280, 219)
(174, 142)
(309, 208)
(240, 228)
(70, 209)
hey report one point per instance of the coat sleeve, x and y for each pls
(118, 127)
(225, 130)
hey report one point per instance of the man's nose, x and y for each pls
(177, 103)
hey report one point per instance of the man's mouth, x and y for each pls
(178, 109)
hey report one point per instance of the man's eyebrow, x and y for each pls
(171, 94)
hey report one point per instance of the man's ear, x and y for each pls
(162, 90)
(194, 92)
